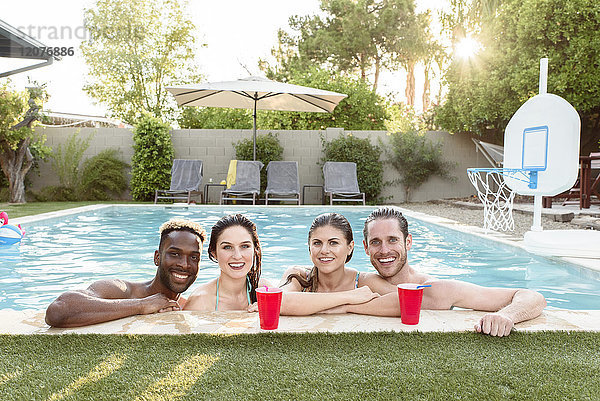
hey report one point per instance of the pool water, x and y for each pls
(71, 252)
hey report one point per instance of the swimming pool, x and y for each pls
(70, 252)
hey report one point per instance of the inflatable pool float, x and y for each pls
(9, 234)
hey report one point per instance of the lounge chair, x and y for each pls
(282, 182)
(341, 183)
(186, 180)
(493, 153)
(247, 182)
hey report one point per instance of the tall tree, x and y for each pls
(136, 48)
(483, 95)
(416, 47)
(352, 36)
(18, 142)
(363, 109)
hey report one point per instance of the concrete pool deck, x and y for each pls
(190, 322)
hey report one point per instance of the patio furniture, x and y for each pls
(282, 182)
(587, 185)
(341, 183)
(312, 186)
(210, 185)
(247, 182)
(186, 180)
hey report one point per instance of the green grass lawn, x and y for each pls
(15, 210)
(411, 366)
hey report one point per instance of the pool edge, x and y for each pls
(240, 322)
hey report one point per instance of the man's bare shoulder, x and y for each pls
(117, 289)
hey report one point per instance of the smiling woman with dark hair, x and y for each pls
(329, 283)
(234, 245)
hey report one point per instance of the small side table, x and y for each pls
(313, 186)
(207, 187)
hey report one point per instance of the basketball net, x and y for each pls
(497, 198)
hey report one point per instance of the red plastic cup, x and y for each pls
(410, 302)
(269, 304)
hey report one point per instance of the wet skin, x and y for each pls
(235, 252)
(387, 248)
(177, 261)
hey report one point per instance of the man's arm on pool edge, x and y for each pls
(525, 305)
(103, 301)
(508, 306)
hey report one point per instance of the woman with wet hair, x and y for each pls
(329, 283)
(234, 245)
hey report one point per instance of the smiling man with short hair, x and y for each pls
(177, 258)
(387, 242)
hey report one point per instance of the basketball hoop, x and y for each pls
(496, 196)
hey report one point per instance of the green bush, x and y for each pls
(152, 157)
(268, 149)
(56, 193)
(103, 176)
(4, 193)
(66, 160)
(347, 148)
(415, 158)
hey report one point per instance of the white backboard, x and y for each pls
(543, 136)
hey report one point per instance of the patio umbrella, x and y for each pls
(256, 93)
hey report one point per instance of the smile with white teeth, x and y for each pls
(325, 259)
(180, 276)
(386, 260)
(236, 265)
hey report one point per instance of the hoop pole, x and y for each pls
(537, 213)
(537, 199)
(543, 75)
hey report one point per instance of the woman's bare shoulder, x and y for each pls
(203, 298)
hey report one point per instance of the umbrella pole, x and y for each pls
(254, 115)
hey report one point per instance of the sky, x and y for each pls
(236, 33)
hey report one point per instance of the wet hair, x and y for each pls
(384, 213)
(334, 220)
(180, 225)
(234, 220)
